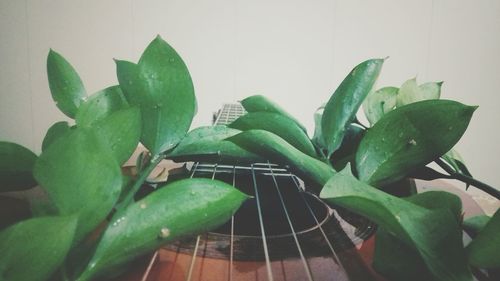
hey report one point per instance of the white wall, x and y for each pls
(295, 52)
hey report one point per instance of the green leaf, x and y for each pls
(475, 224)
(396, 260)
(160, 85)
(81, 177)
(435, 234)
(410, 92)
(455, 160)
(157, 219)
(277, 150)
(430, 90)
(409, 137)
(121, 132)
(100, 105)
(318, 139)
(16, 167)
(65, 85)
(435, 200)
(33, 249)
(209, 144)
(344, 103)
(378, 103)
(278, 124)
(347, 150)
(108, 113)
(484, 250)
(54, 132)
(259, 103)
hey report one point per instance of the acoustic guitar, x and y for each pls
(283, 233)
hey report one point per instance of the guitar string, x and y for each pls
(193, 258)
(335, 256)
(264, 241)
(231, 251)
(299, 248)
(150, 265)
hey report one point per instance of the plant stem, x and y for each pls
(143, 174)
(469, 180)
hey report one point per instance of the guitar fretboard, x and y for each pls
(229, 113)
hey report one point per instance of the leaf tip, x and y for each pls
(473, 108)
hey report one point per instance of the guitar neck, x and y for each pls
(228, 113)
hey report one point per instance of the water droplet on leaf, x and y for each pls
(164, 233)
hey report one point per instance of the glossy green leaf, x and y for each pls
(121, 132)
(41, 205)
(278, 124)
(347, 150)
(180, 209)
(54, 132)
(343, 105)
(397, 261)
(318, 139)
(100, 105)
(431, 90)
(434, 234)
(108, 113)
(475, 224)
(65, 85)
(160, 85)
(33, 249)
(16, 167)
(409, 137)
(435, 200)
(277, 150)
(410, 92)
(81, 177)
(455, 160)
(209, 144)
(259, 103)
(379, 102)
(484, 250)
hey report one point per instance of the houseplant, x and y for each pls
(154, 103)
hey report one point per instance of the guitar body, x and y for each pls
(304, 238)
(283, 233)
